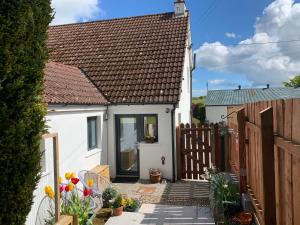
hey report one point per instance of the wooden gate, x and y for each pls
(195, 146)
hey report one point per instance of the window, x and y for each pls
(92, 132)
(43, 157)
(150, 128)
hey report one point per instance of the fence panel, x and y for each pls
(272, 155)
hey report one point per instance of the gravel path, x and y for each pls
(183, 193)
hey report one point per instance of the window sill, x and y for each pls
(155, 144)
(92, 152)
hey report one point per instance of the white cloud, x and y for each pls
(216, 81)
(261, 63)
(70, 11)
(231, 35)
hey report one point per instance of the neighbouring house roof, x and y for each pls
(137, 60)
(242, 96)
(68, 85)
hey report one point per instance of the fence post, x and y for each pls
(268, 170)
(217, 146)
(178, 152)
(242, 151)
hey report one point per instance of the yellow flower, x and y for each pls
(60, 180)
(90, 182)
(49, 191)
(73, 175)
(68, 176)
(71, 186)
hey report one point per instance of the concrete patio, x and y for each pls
(184, 202)
(156, 214)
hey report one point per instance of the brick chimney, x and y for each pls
(180, 7)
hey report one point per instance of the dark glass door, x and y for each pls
(127, 145)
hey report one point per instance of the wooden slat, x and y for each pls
(296, 121)
(194, 152)
(188, 149)
(295, 190)
(267, 148)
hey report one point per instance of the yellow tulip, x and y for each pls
(68, 176)
(71, 186)
(49, 191)
(90, 182)
(73, 175)
(60, 180)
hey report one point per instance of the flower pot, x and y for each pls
(155, 177)
(129, 209)
(243, 218)
(118, 211)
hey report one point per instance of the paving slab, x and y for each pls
(157, 214)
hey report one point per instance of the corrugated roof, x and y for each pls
(242, 96)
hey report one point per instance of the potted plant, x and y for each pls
(149, 139)
(118, 205)
(109, 194)
(223, 197)
(155, 175)
(132, 205)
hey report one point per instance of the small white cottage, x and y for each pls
(141, 67)
(116, 89)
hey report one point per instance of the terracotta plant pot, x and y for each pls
(243, 218)
(155, 177)
(118, 211)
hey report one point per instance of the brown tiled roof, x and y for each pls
(131, 60)
(68, 85)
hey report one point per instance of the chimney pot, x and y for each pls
(240, 87)
(268, 85)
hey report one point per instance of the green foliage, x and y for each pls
(75, 206)
(294, 82)
(23, 51)
(131, 204)
(199, 100)
(199, 112)
(223, 190)
(109, 193)
(119, 201)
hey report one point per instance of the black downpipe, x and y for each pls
(173, 142)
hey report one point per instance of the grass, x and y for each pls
(199, 100)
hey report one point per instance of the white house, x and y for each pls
(116, 89)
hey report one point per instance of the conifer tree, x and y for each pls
(23, 53)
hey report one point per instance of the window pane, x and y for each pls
(92, 132)
(150, 127)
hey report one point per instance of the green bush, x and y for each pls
(23, 51)
(108, 194)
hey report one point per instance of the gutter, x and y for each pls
(173, 142)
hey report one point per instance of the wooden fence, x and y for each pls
(196, 149)
(267, 159)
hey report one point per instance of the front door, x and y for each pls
(127, 145)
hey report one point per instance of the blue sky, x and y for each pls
(223, 25)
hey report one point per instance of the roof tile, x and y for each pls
(126, 58)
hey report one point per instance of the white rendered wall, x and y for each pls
(214, 113)
(70, 122)
(150, 154)
(184, 106)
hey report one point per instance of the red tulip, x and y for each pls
(61, 188)
(86, 192)
(67, 188)
(74, 180)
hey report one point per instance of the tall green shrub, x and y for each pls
(23, 52)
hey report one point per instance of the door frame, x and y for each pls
(118, 155)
